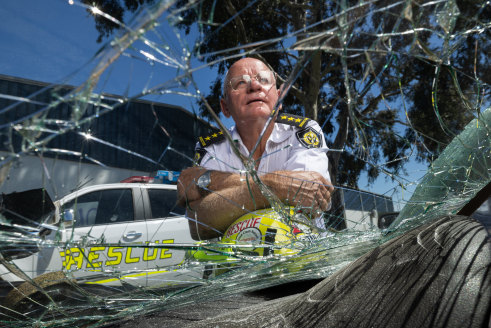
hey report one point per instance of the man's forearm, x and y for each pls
(188, 190)
(233, 195)
(221, 208)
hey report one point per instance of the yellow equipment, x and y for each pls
(259, 233)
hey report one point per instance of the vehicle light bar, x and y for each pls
(167, 176)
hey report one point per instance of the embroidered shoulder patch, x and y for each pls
(211, 139)
(294, 120)
(198, 156)
(309, 138)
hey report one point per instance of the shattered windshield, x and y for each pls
(103, 104)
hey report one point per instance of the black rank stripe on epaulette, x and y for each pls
(211, 139)
(291, 119)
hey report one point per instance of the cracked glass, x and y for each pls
(94, 232)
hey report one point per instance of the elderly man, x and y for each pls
(290, 158)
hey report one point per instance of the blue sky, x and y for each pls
(52, 41)
(44, 40)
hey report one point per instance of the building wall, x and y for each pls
(130, 134)
(58, 177)
(362, 208)
(123, 137)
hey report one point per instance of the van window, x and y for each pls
(101, 207)
(163, 203)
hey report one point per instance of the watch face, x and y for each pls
(204, 180)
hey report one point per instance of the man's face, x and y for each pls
(254, 98)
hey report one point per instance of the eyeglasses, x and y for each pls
(265, 78)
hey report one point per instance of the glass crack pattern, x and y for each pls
(395, 86)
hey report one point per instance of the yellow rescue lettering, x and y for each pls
(71, 258)
(152, 257)
(163, 251)
(128, 258)
(62, 254)
(93, 255)
(116, 254)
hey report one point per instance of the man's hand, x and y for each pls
(187, 190)
(233, 196)
(302, 188)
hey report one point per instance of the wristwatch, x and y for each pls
(204, 180)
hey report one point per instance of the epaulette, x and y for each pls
(215, 137)
(291, 119)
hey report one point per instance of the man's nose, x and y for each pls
(254, 85)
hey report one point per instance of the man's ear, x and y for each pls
(223, 106)
(280, 90)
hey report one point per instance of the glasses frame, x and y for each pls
(229, 83)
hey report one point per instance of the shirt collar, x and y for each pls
(277, 136)
(238, 140)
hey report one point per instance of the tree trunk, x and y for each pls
(312, 95)
(339, 144)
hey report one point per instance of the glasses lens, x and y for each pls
(265, 78)
(240, 82)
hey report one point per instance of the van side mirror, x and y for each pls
(68, 215)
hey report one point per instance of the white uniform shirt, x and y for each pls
(289, 147)
(284, 151)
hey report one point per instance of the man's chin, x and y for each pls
(253, 120)
(259, 108)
